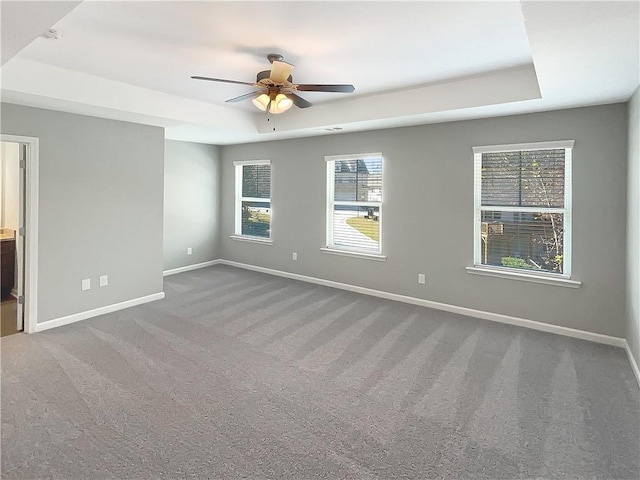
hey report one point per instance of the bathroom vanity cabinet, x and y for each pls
(8, 261)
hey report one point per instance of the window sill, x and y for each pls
(525, 277)
(347, 253)
(242, 238)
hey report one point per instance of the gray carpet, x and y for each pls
(244, 375)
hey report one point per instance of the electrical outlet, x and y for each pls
(104, 280)
(86, 284)
(294, 256)
(421, 279)
(189, 251)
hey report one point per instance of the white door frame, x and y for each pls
(19, 235)
(31, 229)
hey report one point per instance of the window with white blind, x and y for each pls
(523, 208)
(253, 199)
(354, 203)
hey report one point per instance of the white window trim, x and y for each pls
(239, 199)
(353, 253)
(247, 238)
(516, 147)
(350, 251)
(251, 162)
(540, 277)
(513, 274)
(351, 156)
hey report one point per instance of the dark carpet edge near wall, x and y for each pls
(238, 374)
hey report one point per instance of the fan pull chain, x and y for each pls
(274, 123)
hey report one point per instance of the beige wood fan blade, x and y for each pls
(280, 71)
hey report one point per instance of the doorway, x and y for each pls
(18, 233)
(12, 161)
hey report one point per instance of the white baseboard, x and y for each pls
(495, 317)
(632, 361)
(76, 317)
(195, 266)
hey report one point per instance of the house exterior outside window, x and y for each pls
(354, 204)
(253, 200)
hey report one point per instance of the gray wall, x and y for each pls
(633, 228)
(100, 208)
(428, 223)
(191, 203)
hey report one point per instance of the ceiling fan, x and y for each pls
(276, 90)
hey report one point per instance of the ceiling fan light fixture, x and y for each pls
(272, 83)
(262, 102)
(281, 103)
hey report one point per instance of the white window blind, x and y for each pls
(523, 207)
(253, 199)
(354, 203)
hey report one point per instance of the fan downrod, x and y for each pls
(274, 57)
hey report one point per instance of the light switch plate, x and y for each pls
(294, 256)
(104, 280)
(421, 279)
(189, 251)
(86, 284)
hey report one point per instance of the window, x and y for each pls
(253, 199)
(523, 208)
(354, 203)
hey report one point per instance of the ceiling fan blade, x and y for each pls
(325, 88)
(246, 96)
(221, 80)
(298, 101)
(280, 71)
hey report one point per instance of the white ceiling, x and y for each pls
(19, 21)
(411, 63)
